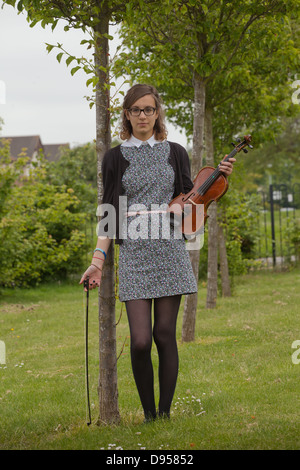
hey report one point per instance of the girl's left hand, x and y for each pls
(227, 167)
(94, 274)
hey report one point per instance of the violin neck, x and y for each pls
(232, 154)
(211, 179)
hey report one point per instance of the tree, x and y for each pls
(199, 54)
(93, 18)
(280, 156)
(212, 261)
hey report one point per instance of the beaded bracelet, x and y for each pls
(102, 251)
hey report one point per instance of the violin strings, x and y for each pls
(206, 185)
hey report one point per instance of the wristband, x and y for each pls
(102, 251)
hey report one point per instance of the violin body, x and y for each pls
(189, 211)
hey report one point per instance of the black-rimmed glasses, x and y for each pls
(148, 111)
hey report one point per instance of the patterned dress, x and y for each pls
(153, 262)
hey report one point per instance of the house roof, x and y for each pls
(32, 143)
(53, 152)
(28, 144)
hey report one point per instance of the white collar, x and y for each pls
(134, 142)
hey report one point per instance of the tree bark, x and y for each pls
(225, 279)
(212, 258)
(107, 385)
(190, 305)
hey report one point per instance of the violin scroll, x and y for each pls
(242, 144)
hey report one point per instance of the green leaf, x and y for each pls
(11, 2)
(33, 23)
(87, 69)
(108, 36)
(75, 69)
(204, 8)
(69, 60)
(49, 47)
(183, 9)
(53, 26)
(59, 56)
(89, 81)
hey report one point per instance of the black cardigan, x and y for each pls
(114, 165)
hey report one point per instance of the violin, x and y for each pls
(189, 211)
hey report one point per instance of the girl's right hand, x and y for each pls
(94, 274)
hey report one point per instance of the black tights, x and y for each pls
(164, 335)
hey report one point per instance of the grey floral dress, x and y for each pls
(153, 262)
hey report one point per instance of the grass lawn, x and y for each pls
(238, 387)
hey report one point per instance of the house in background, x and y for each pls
(53, 152)
(31, 146)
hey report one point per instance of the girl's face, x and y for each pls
(142, 125)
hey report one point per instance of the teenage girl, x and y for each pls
(148, 169)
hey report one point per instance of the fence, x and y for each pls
(278, 240)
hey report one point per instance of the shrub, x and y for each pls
(41, 234)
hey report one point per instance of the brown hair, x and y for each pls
(133, 94)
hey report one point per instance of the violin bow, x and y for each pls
(86, 285)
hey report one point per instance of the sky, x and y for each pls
(38, 95)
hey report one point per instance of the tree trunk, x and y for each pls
(225, 279)
(212, 259)
(107, 386)
(190, 305)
